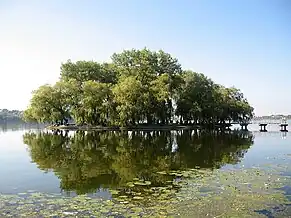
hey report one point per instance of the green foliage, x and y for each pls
(88, 70)
(96, 102)
(138, 86)
(203, 101)
(130, 101)
(49, 104)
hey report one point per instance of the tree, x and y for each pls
(203, 101)
(130, 96)
(234, 106)
(28, 115)
(48, 104)
(73, 94)
(158, 73)
(83, 71)
(97, 101)
(196, 99)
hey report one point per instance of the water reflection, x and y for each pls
(275, 134)
(16, 126)
(87, 161)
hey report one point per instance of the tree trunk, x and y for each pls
(149, 119)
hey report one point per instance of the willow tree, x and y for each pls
(202, 101)
(158, 74)
(83, 71)
(234, 105)
(97, 102)
(129, 94)
(195, 100)
(48, 104)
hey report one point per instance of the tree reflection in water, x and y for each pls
(87, 161)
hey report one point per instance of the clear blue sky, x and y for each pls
(245, 43)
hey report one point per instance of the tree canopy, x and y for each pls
(137, 86)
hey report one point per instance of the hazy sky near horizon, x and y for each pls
(245, 43)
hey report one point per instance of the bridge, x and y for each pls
(239, 123)
(263, 125)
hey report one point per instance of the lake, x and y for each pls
(144, 174)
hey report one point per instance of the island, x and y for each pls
(137, 88)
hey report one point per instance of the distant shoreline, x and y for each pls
(288, 117)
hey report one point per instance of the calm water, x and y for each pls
(106, 165)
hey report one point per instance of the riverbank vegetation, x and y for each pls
(136, 87)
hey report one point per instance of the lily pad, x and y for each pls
(143, 183)
(162, 173)
(114, 192)
(130, 184)
(137, 198)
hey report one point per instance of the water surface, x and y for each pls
(178, 173)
